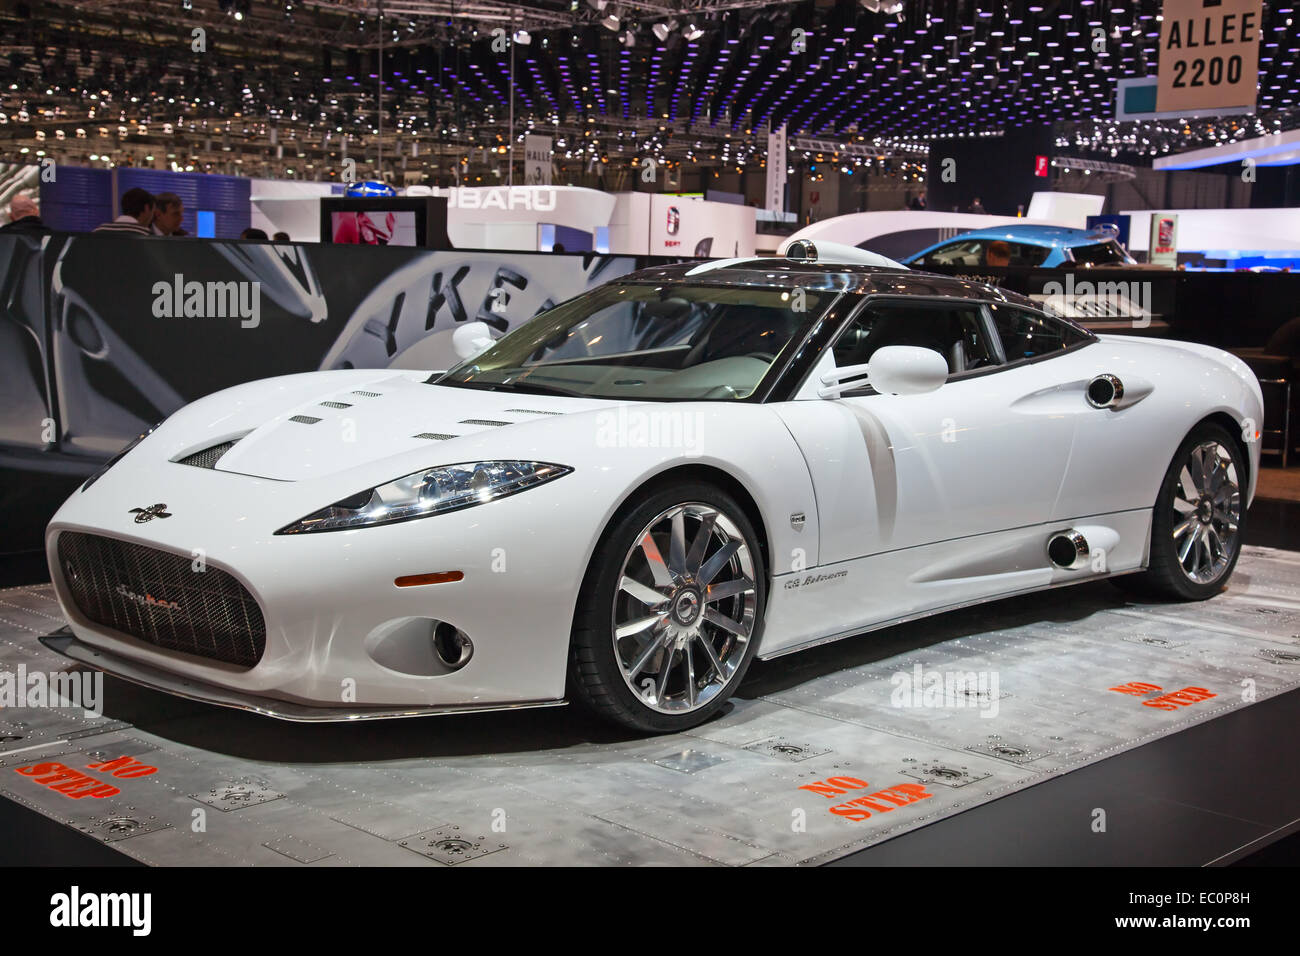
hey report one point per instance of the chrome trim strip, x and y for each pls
(66, 643)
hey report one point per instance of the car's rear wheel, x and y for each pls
(671, 610)
(1199, 518)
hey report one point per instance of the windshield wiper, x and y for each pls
(535, 388)
(538, 388)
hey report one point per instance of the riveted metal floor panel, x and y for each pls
(891, 730)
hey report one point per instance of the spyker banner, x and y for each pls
(103, 336)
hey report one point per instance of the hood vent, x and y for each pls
(532, 411)
(363, 392)
(304, 419)
(434, 436)
(483, 421)
(336, 404)
(208, 457)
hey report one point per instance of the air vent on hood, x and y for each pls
(434, 436)
(304, 419)
(532, 411)
(483, 421)
(358, 391)
(336, 404)
(208, 457)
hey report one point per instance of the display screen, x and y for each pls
(374, 228)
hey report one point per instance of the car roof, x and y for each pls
(780, 273)
(1055, 236)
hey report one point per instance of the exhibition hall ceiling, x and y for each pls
(276, 85)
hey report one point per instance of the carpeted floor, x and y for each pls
(1279, 483)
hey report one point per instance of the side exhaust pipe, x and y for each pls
(1069, 550)
(452, 645)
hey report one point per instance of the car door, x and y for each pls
(985, 452)
(1106, 440)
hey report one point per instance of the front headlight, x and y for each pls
(430, 492)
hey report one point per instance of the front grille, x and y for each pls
(159, 598)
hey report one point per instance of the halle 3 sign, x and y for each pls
(1209, 55)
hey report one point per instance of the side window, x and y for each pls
(963, 252)
(1027, 255)
(1025, 335)
(955, 333)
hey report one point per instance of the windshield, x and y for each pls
(648, 342)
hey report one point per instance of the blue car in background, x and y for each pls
(1026, 245)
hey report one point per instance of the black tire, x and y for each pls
(596, 677)
(1166, 576)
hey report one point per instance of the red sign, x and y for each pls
(1040, 166)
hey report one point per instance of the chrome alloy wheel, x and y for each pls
(684, 609)
(1207, 506)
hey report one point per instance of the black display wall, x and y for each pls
(999, 170)
(102, 336)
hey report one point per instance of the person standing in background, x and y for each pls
(24, 216)
(137, 214)
(168, 212)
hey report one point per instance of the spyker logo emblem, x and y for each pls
(148, 514)
(147, 599)
(797, 520)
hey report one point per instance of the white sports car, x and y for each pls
(629, 497)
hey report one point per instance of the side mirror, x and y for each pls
(893, 370)
(471, 339)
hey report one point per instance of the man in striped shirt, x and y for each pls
(137, 214)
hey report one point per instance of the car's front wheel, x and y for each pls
(1199, 518)
(670, 612)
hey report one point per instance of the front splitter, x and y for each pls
(66, 643)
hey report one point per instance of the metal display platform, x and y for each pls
(823, 753)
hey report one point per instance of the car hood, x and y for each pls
(313, 426)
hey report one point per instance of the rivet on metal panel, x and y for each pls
(790, 750)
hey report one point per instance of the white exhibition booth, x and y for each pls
(1224, 233)
(535, 218)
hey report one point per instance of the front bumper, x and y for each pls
(329, 599)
